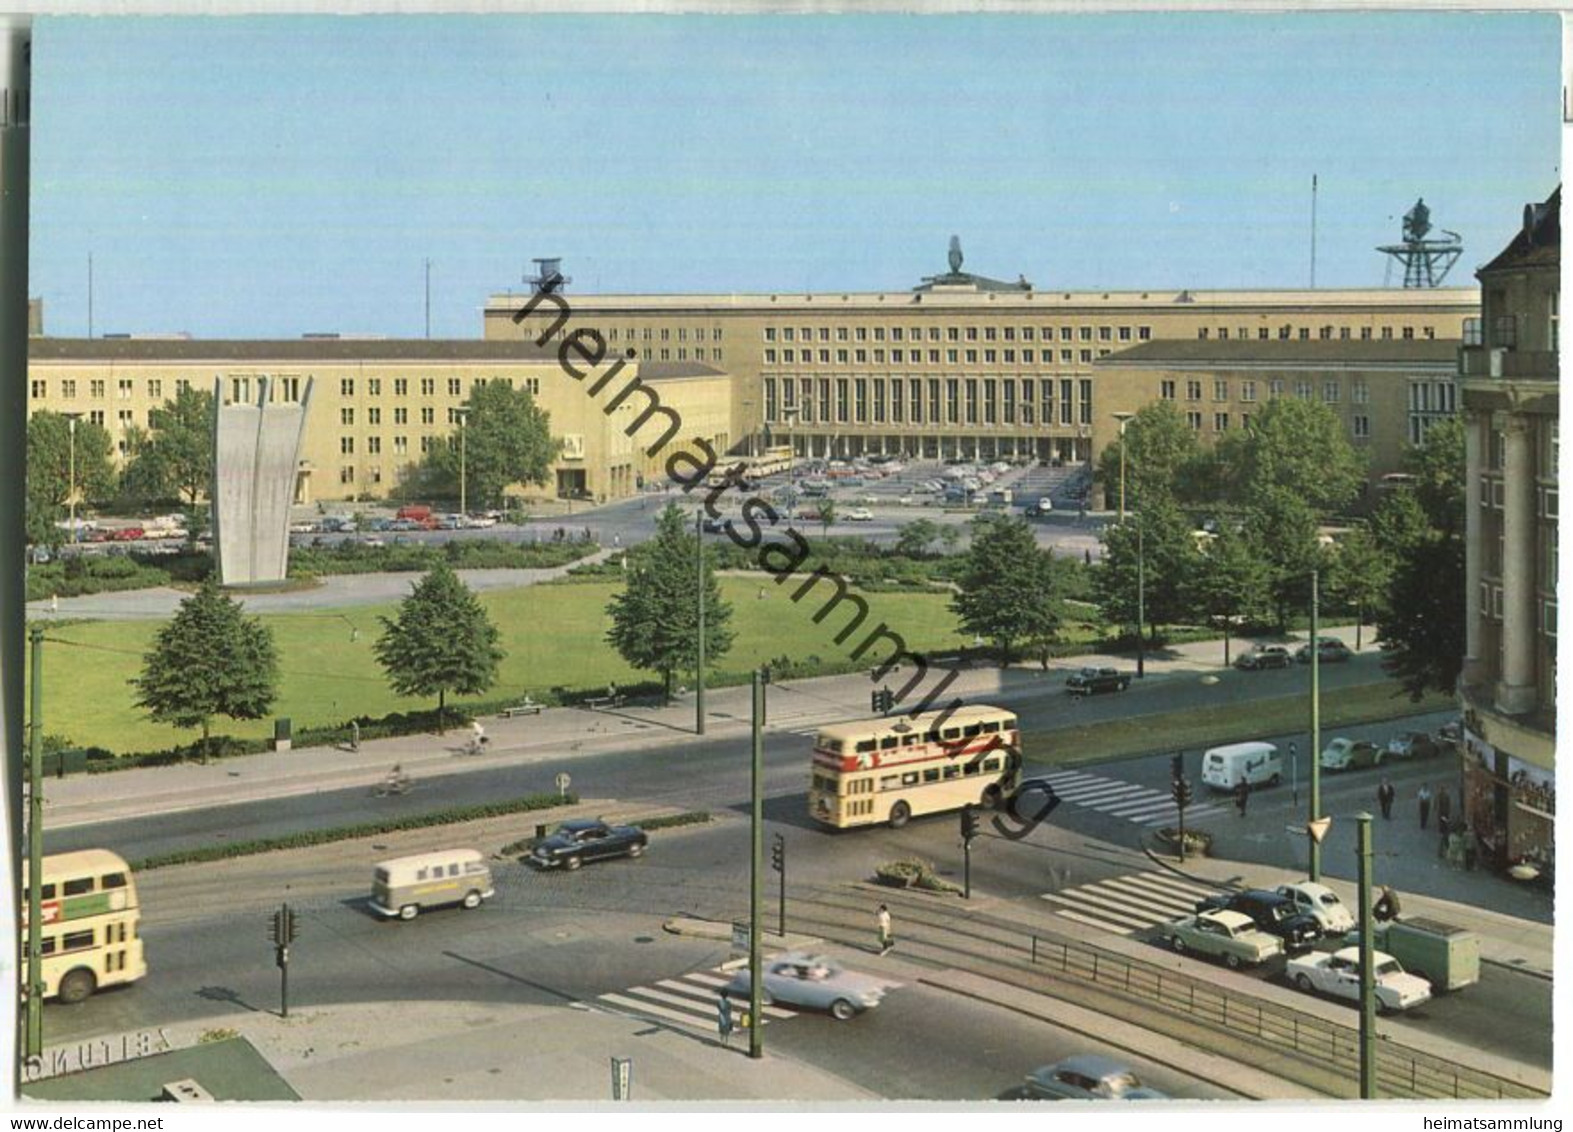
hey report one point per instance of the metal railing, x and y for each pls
(1400, 1070)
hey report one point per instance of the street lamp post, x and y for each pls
(71, 419)
(462, 412)
(1316, 728)
(1141, 601)
(699, 668)
(789, 415)
(1124, 419)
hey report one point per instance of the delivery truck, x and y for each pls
(1446, 957)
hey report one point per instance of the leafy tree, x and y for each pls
(1147, 564)
(441, 641)
(507, 441)
(913, 539)
(655, 620)
(1161, 455)
(1421, 531)
(1297, 447)
(826, 513)
(1358, 575)
(1008, 589)
(1281, 529)
(950, 537)
(1229, 583)
(175, 458)
(211, 659)
(49, 471)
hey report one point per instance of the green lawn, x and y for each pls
(554, 635)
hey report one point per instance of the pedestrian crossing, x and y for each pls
(1141, 804)
(1128, 904)
(687, 1000)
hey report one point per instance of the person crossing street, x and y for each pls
(1242, 796)
(1424, 798)
(886, 940)
(723, 1011)
(1384, 798)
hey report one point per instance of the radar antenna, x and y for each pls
(1426, 262)
(548, 276)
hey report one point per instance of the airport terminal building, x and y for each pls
(957, 366)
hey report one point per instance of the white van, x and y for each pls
(1256, 763)
(405, 885)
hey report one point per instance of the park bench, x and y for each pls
(525, 707)
(595, 702)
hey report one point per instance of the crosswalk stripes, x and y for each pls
(1141, 804)
(1130, 903)
(687, 1000)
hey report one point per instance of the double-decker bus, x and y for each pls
(887, 770)
(90, 918)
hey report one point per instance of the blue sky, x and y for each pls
(272, 176)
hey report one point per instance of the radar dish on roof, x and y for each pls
(1426, 262)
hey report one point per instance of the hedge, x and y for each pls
(451, 816)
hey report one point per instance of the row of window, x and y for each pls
(1547, 500)
(955, 334)
(665, 334)
(1359, 425)
(949, 356)
(1332, 390)
(935, 401)
(1324, 333)
(1491, 606)
(286, 388)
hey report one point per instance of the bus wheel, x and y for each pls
(409, 911)
(77, 985)
(899, 813)
(472, 899)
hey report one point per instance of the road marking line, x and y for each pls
(1167, 902)
(1117, 929)
(1103, 906)
(654, 1011)
(1072, 776)
(1101, 794)
(708, 996)
(1172, 882)
(1129, 807)
(707, 978)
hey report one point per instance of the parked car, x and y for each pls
(713, 526)
(1330, 650)
(1091, 681)
(811, 982)
(1338, 973)
(1088, 1077)
(127, 534)
(581, 840)
(1230, 936)
(1349, 754)
(1322, 902)
(1412, 745)
(1041, 507)
(485, 519)
(305, 528)
(860, 515)
(1265, 656)
(1271, 912)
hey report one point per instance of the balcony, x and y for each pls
(1481, 361)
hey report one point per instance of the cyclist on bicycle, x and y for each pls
(478, 738)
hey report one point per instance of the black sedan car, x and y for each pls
(1274, 914)
(576, 842)
(1091, 681)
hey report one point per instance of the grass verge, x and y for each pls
(451, 816)
(1227, 723)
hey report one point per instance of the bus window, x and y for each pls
(77, 941)
(909, 740)
(865, 745)
(910, 778)
(890, 782)
(931, 736)
(78, 886)
(991, 764)
(831, 745)
(952, 733)
(991, 726)
(952, 770)
(113, 880)
(888, 743)
(971, 769)
(931, 774)
(973, 730)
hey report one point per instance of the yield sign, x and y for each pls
(1318, 828)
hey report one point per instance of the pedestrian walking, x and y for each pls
(723, 1018)
(1444, 805)
(1424, 798)
(1384, 798)
(886, 940)
(1242, 795)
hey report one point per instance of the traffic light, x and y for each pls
(1176, 767)
(969, 823)
(289, 924)
(778, 854)
(1182, 792)
(883, 699)
(281, 926)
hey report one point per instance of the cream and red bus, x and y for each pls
(888, 770)
(90, 919)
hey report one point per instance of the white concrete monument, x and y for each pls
(256, 450)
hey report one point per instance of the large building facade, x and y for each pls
(1509, 373)
(964, 366)
(377, 405)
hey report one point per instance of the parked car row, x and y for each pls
(1330, 650)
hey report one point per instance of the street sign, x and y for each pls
(622, 1078)
(1318, 828)
(563, 782)
(739, 937)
